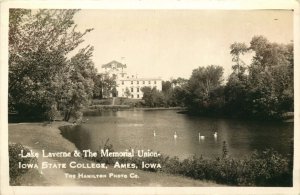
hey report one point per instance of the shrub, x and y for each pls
(266, 168)
(14, 159)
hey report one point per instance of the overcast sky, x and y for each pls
(171, 43)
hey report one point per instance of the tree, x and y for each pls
(152, 97)
(81, 85)
(201, 85)
(104, 84)
(205, 79)
(166, 86)
(127, 92)
(168, 94)
(41, 73)
(237, 49)
(236, 87)
(97, 92)
(179, 82)
(266, 92)
(271, 78)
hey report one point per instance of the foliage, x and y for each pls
(266, 92)
(263, 89)
(271, 78)
(102, 101)
(237, 49)
(266, 168)
(127, 92)
(172, 94)
(104, 84)
(14, 159)
(203, 90)
(43, 76)
(152, 97)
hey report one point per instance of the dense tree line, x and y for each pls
(171, 94)
(263, 89)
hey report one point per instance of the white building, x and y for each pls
(129, 86)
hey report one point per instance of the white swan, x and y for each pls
(175, 135)
(215, 134)
(154, 134)
(201, 136)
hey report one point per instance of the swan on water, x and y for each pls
(154, 134)
(215, 134)
(201, 136)
(175, 135)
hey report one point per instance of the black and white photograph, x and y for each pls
(149, 97)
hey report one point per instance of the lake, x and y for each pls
(135, 129)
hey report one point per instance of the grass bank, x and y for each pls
(39, 136)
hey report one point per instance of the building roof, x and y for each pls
(140, 79)
(115, 63)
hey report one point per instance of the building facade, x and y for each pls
(129, 86)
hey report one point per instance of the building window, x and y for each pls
(144, 82)
(131, 96)
(122, 82)
(137, 82)
(154, 82)
(137, 89)
(149, 82)
(138, 96)
(131, 82)
(131, 89)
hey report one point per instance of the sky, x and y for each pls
(171, 43)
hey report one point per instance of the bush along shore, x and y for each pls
(15, 172)
(266, 168)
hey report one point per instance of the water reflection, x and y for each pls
(179, 135)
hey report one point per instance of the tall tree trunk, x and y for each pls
(67, 115)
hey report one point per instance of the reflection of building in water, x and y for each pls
(129, 85)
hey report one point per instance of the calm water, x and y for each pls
(134, 129)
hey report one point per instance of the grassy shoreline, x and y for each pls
(39, 136)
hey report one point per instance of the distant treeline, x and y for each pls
(264, 89)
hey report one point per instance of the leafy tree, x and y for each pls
(179, 82)
(152, 97)
(42, 76)
(237, 49)
(104, 84)
(179, 91)
(271, 78)
(97, 92)
(236, 87)
(127, 92)
(202, 84)
(168, 94)
(267, 90)
(166, 86)
(81, 84)
(180, 94)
